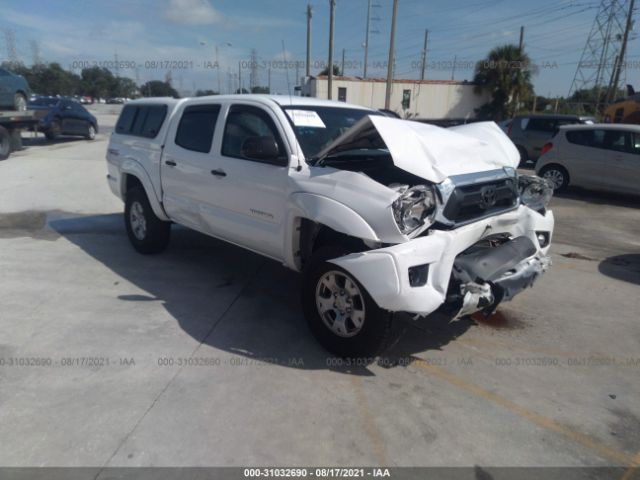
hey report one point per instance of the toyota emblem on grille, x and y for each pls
(488, 196)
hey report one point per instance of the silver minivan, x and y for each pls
(599, 156)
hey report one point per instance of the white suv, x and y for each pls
(380, 215)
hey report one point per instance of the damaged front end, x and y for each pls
(487, 275)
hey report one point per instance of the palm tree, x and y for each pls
(506, 74)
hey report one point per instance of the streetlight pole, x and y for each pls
(392, 47)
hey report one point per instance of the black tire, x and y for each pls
(155, 235)
(91, 132)
(20, 102)
(375, 334)
(54, 131)
(557, 175)
(524, 156)
(5, 144)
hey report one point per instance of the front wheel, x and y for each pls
(147, 233)
(340, 312)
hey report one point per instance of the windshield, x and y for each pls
(317, 127)
(44, 102)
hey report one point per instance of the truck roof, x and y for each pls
(282, 100)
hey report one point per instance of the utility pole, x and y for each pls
(424, 54)
(342, 69)
(332, 17)
(309, 16)
(392, 47)
(521, 44)
(239, 76)
(613, 86)
(218, 70)
(453, 68)
(520, 50)
(269, 74)
(366, 40)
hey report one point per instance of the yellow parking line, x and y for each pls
(370, 426)
(630, 472)
(540, 420)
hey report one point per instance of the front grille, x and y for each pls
(477, 200)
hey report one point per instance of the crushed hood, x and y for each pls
(431, 152)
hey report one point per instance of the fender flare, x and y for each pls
(327, 212)
(130, 166)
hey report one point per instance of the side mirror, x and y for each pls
(260, 148)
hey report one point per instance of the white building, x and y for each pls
(415, 98)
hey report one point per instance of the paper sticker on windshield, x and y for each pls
(305, 118)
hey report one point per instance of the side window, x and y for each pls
(141, 120)
(196, 127)
(542, 125)
(3, 72)
(581, 137)
(125, 121)
(247, 123)
(635, 143)
(615, 140)
(154, 120)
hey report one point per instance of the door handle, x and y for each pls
(114, 152)
(171, 163)
(219, 173)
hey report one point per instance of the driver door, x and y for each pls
(249, 194)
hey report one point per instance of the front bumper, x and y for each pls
(384, 272)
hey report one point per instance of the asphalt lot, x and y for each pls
(200, 356)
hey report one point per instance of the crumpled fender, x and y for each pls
(333, 214)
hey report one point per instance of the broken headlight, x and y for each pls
(414, 207)
(535, 192)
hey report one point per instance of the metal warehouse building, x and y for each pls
(415, 98)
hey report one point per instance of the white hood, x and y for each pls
(431, 152)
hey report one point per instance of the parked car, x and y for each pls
(529, 133)
(14, 91)
(380, 215)
(600, 157)
(60, 116)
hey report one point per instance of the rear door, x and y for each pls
(188, 187)
(628, 166)
(594, 156)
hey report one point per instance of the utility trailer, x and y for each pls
(11, 123)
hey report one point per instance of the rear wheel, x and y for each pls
(340, 312)
(147, 233)
(54, 130)
(19, 102)
(91, 132)
(556, 175)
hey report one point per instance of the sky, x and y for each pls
(205, 42)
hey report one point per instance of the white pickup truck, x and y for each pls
(380, 215)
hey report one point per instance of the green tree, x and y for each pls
(157, 88)
(259, 89)
(123, 87)
(97, 82)
(205, 93)
(506, 75)
(336, 70)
